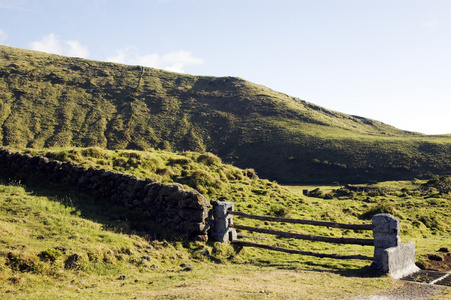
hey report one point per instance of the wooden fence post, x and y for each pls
(221, 231)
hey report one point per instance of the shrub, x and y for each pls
(344, 193)
(22, 262)
(95, 152)
(73, 261)
(382, 207)
(250, 173)
(279, 211)
(317, 193)
(209, 159)
(50, 255)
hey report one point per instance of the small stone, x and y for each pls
(187, 267)
(122, 277)
(146, 257)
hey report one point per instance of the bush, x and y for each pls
(22, 262)
(279, 211)
(382, 207)
(50, 255)
(95, 152)
(209, 159)
(317, 193)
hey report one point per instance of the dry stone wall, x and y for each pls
(181, 210)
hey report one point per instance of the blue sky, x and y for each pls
(388, 60)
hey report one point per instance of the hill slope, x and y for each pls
(48, 100)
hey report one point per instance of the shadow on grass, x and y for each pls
(342, 267)
(116, 218)
(345, 270)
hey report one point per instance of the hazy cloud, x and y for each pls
(172, 61)
(52, 44)
(3, 36)
(13, 5)
(430, 23)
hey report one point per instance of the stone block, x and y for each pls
(399, 261)
(224, 236)
(220, 210)
(385, 223)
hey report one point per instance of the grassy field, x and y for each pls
(60, 244)
(114, 265)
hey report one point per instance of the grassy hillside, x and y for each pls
(57, 243)
(53, 101)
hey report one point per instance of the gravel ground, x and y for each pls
(409, 291)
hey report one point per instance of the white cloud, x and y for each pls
(52, 44)
(172, 61)
(49, 44)
(76, 49)
(3, 36)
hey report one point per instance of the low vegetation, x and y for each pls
(53, 101)
(57, 243)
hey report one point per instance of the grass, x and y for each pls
(57, 243)
(54, 101)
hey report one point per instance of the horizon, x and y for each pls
(380, 60)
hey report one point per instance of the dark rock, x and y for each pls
(435, 257)
(73, 261)
(62, 249)
(187, 267)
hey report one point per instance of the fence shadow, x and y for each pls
(350, 271)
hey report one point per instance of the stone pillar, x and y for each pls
(221, 221)
(386, 234)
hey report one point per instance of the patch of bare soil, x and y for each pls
(439, 261)
(408, 291)
(435, 269)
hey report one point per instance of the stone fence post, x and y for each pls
(220, 231)
(390, 255)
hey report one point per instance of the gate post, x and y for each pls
(390, 256)
(221, 232)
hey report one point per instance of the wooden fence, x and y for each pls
(389, 254)
(355, 241)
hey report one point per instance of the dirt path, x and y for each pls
(410, 291)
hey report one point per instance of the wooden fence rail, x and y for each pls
(354, 241)
(309, 253)
(307, 222)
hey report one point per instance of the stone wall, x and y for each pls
(182, 210)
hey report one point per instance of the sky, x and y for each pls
(388, 60)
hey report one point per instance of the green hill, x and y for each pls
(54, 101)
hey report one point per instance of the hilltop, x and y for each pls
(54, 101)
